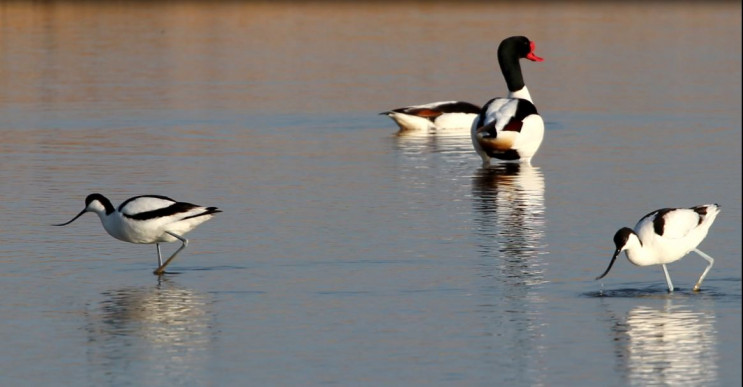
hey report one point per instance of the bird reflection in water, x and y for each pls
(457, 146)
(671, 345)
(509, 216)
(163, 331)
(508, 202)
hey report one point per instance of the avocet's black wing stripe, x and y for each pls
(524, 109)
(702, 211)
(122, 205)
(209, 211)
(175, 208)
(659, 222)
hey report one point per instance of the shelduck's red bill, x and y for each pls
(531, 55)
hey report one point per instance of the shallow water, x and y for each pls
(347, 255)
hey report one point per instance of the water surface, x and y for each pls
(346, 255)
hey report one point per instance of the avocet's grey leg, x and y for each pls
(159, 257)
(711, 262)
(668, 279)
(161, 269)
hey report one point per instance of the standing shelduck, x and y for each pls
(148, 219)
(510, 128)
(445, 117)
(664, 236)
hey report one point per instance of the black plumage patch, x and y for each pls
(432, 113)
(101, 199)
(483, 112)
(621, 237)
(659, 222)
(459, 107)
(524, 108)
(209, 211)
(122, 205)
(508, 155)
(175, 208)
(702, 211)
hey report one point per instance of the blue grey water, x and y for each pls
(347, 255)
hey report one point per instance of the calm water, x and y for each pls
(346, 255)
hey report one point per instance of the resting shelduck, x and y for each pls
(445, 117)
(510, 128)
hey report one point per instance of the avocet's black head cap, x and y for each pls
(93, 197)
(620, 239)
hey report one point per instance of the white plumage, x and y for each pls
(665, 236)
(148, 219)
(444, 117)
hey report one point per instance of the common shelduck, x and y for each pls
(510, 128)
(445, 117)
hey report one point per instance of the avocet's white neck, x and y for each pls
(114, 226)
(99, 209)
(522, 93)
(111, 220)
(638, 253)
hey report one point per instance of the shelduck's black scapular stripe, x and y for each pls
(433, 112)
(459, 107)
(524, 108)
(454, 107)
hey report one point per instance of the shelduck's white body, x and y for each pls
(443, 117)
